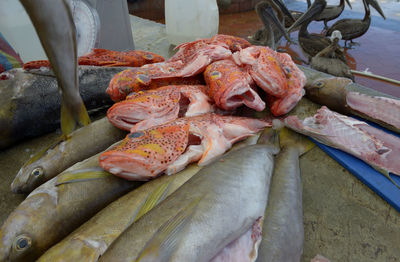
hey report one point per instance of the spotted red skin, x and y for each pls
(103, 57)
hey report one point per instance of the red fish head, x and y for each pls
(126, 82)
(230, 86)
(145, 154)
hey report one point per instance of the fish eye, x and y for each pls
(37, 172)
(320, 84)
(215, 74)
(136, 134)
(148, 56)
(22, 242)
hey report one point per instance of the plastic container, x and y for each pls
(189, 20)
(17, 28)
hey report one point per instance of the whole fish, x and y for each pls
(92, 239)
(230, 86)
(54, 25)
(30, 103)
(56, 208)
(195, 225)
(276, 74)
(104, 57)
(344, 96)
(149, 108)
(282, 232)
(169, 148)
(374, 146)
(51, 161)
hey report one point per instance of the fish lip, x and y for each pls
(108, 162)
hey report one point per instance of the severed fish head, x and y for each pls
(235, 43)
(146, 109)
(171, 147)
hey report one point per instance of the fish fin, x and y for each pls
(82, 175)
(40, 154)
(386, 174)
(68, 122)
(269, 137)
(164, 241)
(288, 138)
(153, 199)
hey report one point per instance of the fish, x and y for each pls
(282, 231)
(57, 207)
(54, 25)
(52, 160)
(344, 96)
(39, 93)
(104, 57)
(135, 80)
(276, 74)
(183, 68)
(231, 87)
(169, 148)
(149, 108)
(215, 207)
(374, 146)
(91, 240)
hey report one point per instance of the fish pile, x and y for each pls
(244, 205)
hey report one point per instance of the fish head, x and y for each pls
(126, 82)
(28, 178)
(143, 155)
(14, 245)
(145, 106)
(150, 57)
(235, 43)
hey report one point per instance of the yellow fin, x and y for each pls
(39, 154)
(153, 199)
(288, 138)
(68, 122)
(82, 175)
(386, 174)
(164, 241)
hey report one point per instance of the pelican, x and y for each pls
(353, 28)
(331, 12)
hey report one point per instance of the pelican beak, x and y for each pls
(377, 7)
(315, 9)
(269, 17)
(284, 9)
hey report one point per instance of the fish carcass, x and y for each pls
(374, 146)
(149, 108)
(168, 148)
(217, 206)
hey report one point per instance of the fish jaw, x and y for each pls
(282, 106)
(145, 154)
(244, 248)
(229, 86)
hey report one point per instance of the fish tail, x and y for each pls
(288, 138)
(73, 116)
(386, 174)
(269, 137)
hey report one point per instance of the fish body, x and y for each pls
(170, 147)
(342, 95)
(104, 57)
(372, 145)
(56, 208)
(149, 108)
(54, 25)
(230, 86)
(282, 232)
(30, 103)
(195, 225)
(276, 74)
(81, 144)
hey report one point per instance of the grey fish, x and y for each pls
(54, 25)
(30, 103)
(344, 96)
(215, 207)
(56, 208)
(81, 144)
(283, 233)
(92, 239)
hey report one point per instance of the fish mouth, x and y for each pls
(240, 95)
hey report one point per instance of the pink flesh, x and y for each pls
(319, 258)
(281, 106)
(381, 108)
(355, 137)
(243, 249)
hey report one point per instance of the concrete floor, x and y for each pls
(343, 219)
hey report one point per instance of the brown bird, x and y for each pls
(331, 12)
(353, 28)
